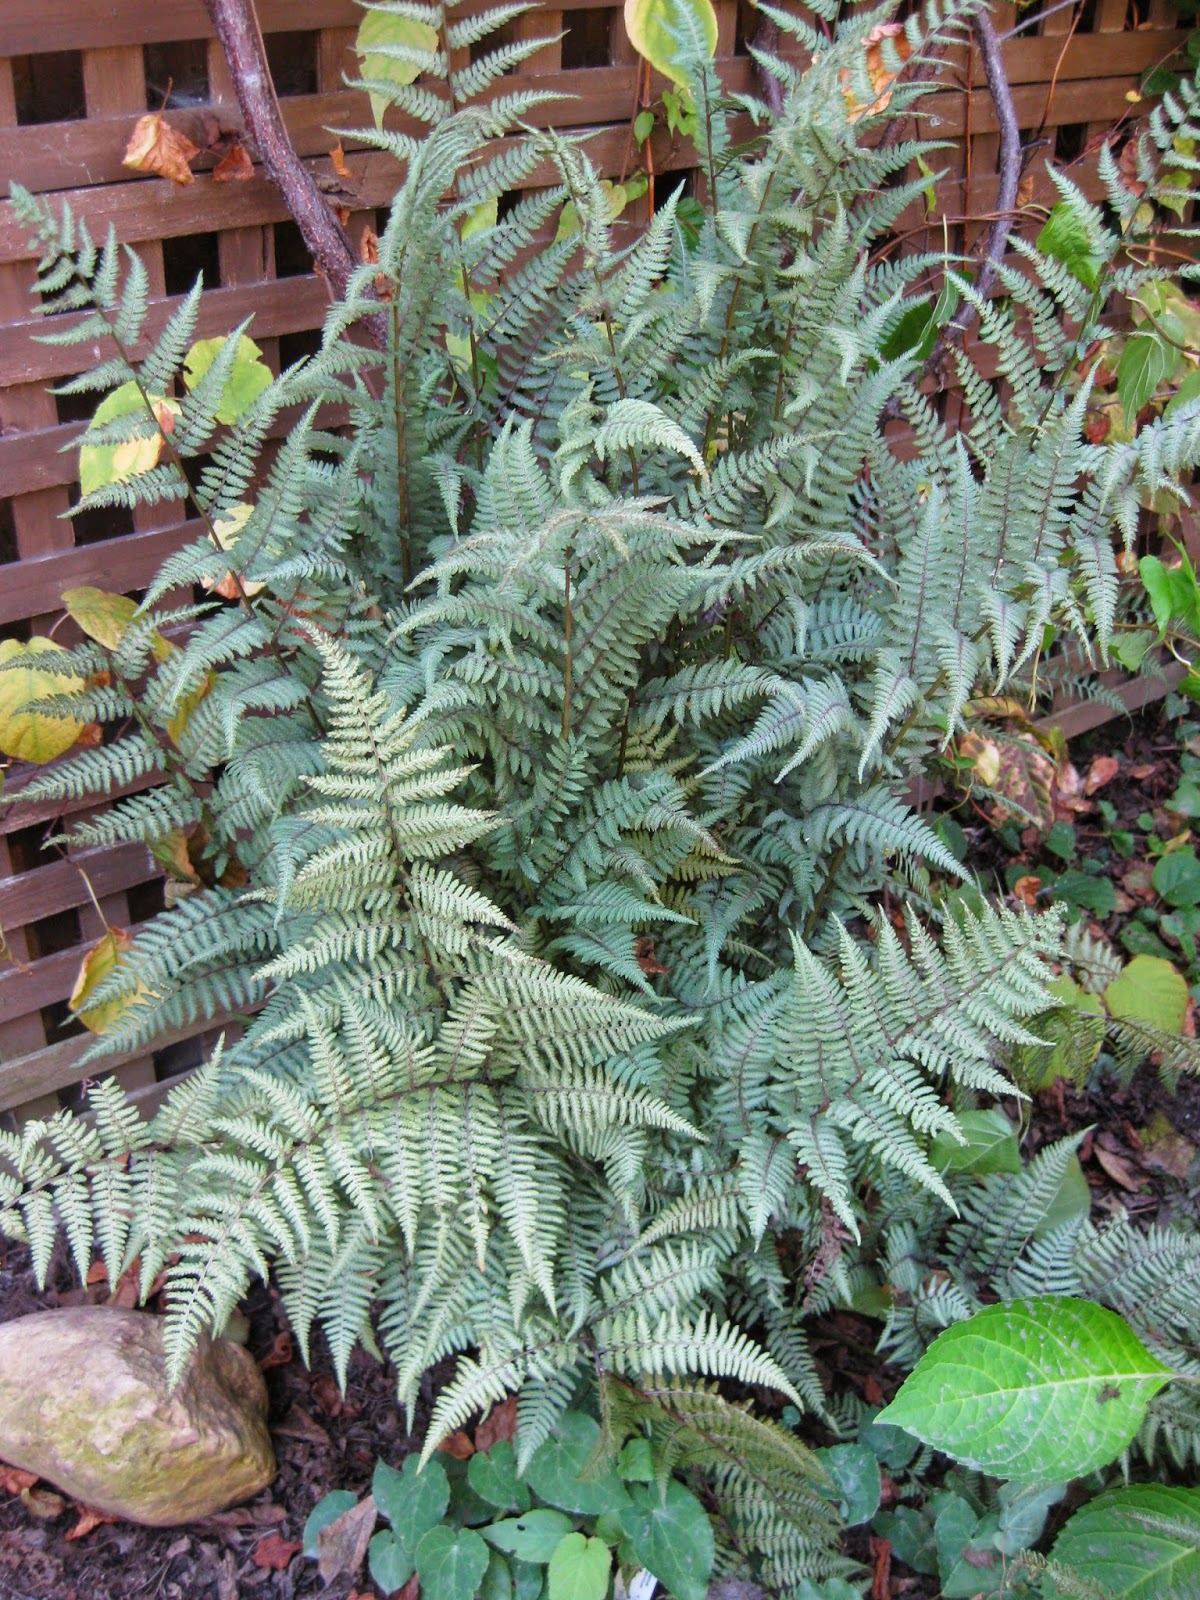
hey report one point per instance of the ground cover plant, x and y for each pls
(533, 767)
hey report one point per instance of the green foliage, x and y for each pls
(534, 769)
(1035, 1390)
(1141, 1542)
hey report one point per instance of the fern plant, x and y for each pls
(542, 784)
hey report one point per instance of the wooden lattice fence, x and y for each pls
(74, 76)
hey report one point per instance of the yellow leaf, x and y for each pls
(106, 617)
(102, 464)
(670, 34)
(99, 962)
(34, 735)
(178, 723)
(227, 530)
(248, 376)
(984, 756)
(879, 74)
(171, 852)
(389, 50)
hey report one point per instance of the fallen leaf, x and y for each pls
(643, 953)
(89, 1518)
(1027, 889)
(43, 1503)
(500, 1423)
(275, 1553)
(458, 1445)
(1144, 770)
(1166, 1150)
(299, 1425)
(411, 1589)
(1102, 770)
(327, 1394)
(234, 167)
(1097, 427)
(338, 156)
(1117, 1168)
(155, 146)
(97, 1273)
(281, 1353)
(15, 1479)
(983, 755)
(881, 1562)
(177, 1547)
(342, 1546)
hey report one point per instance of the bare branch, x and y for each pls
(241, 37)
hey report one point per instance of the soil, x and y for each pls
(325, 1441)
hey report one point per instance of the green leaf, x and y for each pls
(247, 379)
(1040, 1390)
(493, 1476)
(390, 49)
(1072, 1201)
(528, 1580)
(671, 1537)
(390, 1564)
(563, 1472)
(579, 1569)
(1065, 238)
(413, 1500)
(1114, 1541)
(856, 1482)
(533, 1537)
(1085, 892)
(911, 1537)
(1172, 590)
(635, 1464)
(451, 1563)
(671, 34)
(327, 1510)
(991, 1145)
(1023, 1513)
(1149, 990)
(643, 126)
(1176, 878)
(497, 1580)
(1146, 362)
(1187, 391)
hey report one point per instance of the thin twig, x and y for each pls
(237, 28)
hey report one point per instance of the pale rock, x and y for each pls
(84, 1403)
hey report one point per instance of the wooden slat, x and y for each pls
(59, 886)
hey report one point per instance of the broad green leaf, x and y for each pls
(643, 126)
(451, 1563)
(493, 1476)
(1041, 1390)
(1065, 238)
(911, 1537)
(1149, 990)
(33, 735)
(1172, 591)
(991, 1145)
(390, 50)
(635, 1464)
(413, 1500)
(102, 464)
(856, 1483)
(1022, 1514)
(1072, 1201)
(579, 1569)
(528, 1580)
(498, 1579)
(1146, 362)
(568, 1471)
(671, 1537)
(533, 1537)
(1085, 891)
(1187, 391)
(247, 379)
(1176, 878)
(327, 1510)
(390, 1563)
(672, 34)
(1114, 1542)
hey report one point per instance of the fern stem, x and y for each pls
(568, 665)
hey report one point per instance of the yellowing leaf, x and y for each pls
(984, 756)
(178, 723)
(670, 34)
(247, 379)
(33, 735)
(102, 464)
(155, 146)
(171, 852)
(389, 50)
(100, 961)
(106, 617)
(1149, 990)
(227, 530)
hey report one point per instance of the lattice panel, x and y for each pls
(74, 76)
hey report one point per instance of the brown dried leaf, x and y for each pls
(299, 1425)
(275, 1553)
(235, 166)
(89, 1518)
(643, 953)
(1102, 770)
(1117, 1168)
(338, 156)
(155, 146)
(878, 72)
(457, 1445)
(500, 1423)
(342, 1546)
(1027, 889)
(281, 1353)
